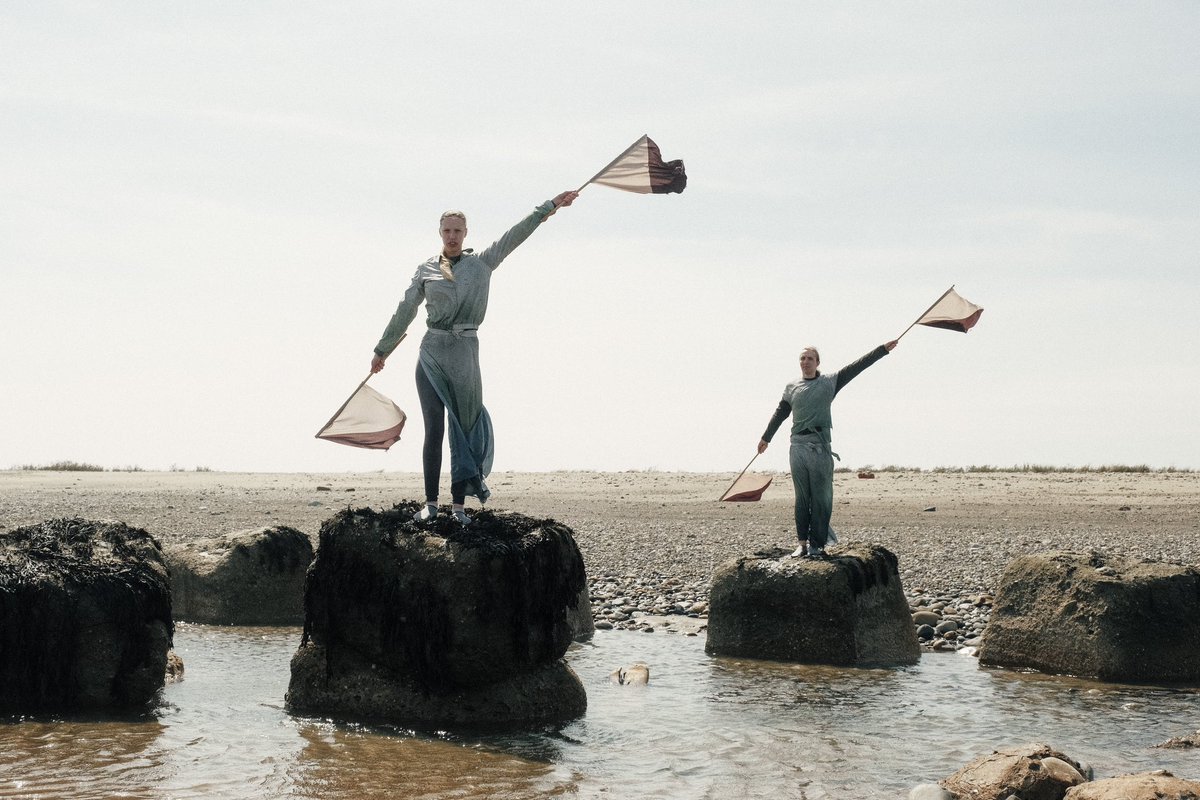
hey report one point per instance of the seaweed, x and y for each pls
(54, 578)
(529, 589)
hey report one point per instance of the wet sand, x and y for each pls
(953, 532)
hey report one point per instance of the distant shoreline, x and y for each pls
(953, 532)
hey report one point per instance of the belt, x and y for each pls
(455, 330)
(807, 431)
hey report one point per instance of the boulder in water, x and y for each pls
(846, 610)
(1031, 772)
(440, 626)
(1085, 614)
(1157, 785)
(253, 577)
(85, 617)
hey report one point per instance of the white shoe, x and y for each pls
(427, 514)
(799, 552)
(461, 517)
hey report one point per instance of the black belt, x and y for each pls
(807, 430)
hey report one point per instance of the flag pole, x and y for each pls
(926, 311)
(738, 478)
(624, 153)
(342, 407)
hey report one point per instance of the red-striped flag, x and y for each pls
(641, 169)
(367, 419)
(747, 488)
(953, 312)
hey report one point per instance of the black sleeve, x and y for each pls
(781, 413)
(851, 371)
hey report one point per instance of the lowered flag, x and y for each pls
(747, 488)
(952, 312)
(366, 419)
(641, 169)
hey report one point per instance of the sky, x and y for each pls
(210, 211)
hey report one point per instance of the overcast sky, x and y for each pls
(210, 210)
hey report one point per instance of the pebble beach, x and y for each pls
(652, 540)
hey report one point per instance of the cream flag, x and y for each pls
(366, 419)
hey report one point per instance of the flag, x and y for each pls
(641, 169)
(746, 488)
(366, 419)
(952, 312)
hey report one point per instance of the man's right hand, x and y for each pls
(376, 364)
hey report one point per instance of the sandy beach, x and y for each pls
(953, 532)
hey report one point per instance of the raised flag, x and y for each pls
(641, 169)
(367, 419)
(952, 312)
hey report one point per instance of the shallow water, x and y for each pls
(704, 727)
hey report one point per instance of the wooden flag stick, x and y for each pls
(926, 311)
(738, 478)
(342, 408)
(624, 153)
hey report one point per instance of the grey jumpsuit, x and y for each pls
(449, 352)
(809, 401)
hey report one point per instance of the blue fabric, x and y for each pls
(471, 447)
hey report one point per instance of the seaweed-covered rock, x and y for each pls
(1116, 619)
(1031, 771)
(846, 610)
(440, 626)
(85, 617)
(253, 577)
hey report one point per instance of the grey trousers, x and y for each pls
(812, 478)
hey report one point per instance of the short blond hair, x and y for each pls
(813, 350)
(452, 213)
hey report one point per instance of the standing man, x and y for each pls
(454, 287)
(808, 400)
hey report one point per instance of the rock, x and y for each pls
(174, 667)
(253, 577)
(1056, 612)
(846, 610)
(925, 632)
(85, 617)
(1182, 742)
(634, 675)
(1157, 785)
(926, 618)
(1032, 772)
(440, 627)
(929, 791)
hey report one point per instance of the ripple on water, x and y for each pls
(703, 727)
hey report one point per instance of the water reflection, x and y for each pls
(70, 758)
(351, 762)
(704, 727)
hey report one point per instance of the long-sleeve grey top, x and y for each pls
(462, 302)
(808, 400)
